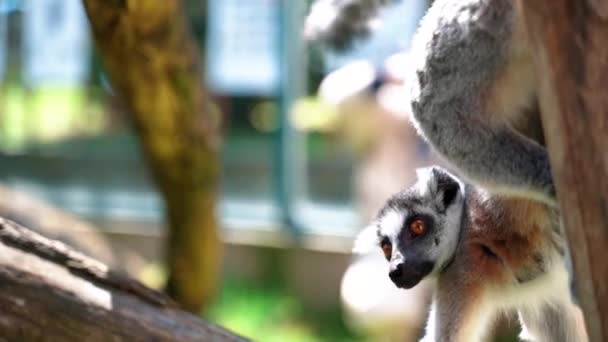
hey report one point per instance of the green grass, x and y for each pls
(270, 314)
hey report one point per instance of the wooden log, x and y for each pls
(50, 292)
(569, 38)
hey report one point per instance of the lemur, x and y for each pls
(473, 87)
(484, 256)
(474, 99)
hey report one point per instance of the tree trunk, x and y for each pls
(49, 292)
(149, 54)
(569, 38)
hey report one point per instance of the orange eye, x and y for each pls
(417, 227)
(387, 249)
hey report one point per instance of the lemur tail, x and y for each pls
(339, 23)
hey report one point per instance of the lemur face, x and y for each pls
(418, 228)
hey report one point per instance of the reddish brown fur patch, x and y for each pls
(505, 235)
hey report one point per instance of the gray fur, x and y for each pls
(465, 303)
(460, 49)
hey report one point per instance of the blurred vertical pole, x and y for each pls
(150, 56)
(3, 59)
(290, 169)
(3, 43)
(569, 38)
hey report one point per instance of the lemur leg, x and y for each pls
(473, 80)
(459, 313)
(496, 157)
(561, 321)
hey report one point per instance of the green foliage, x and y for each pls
(46, 114)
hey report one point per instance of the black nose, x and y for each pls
(396, 272)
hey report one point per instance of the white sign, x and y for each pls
(243, 46)
(56, 42)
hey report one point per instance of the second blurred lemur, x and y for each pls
(473, 86)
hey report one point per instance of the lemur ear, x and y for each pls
(442, 186)
(367, 240)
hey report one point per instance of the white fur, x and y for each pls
(425, 181)
(391, 223)
(549, 287)
(367, 240)
(475, 331)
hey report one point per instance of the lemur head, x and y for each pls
(418, 228)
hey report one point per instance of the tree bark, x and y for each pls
(569, 39)
(149, 54)
(55, 224)
(50, 292)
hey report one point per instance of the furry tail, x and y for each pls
(339, 23)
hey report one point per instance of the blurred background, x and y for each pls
(309, 144)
